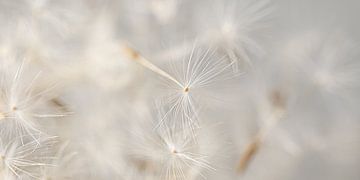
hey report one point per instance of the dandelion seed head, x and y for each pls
(328, 63)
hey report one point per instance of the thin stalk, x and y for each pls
(251, 149)
(134, 55)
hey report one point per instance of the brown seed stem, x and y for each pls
(278, 102)
(134, 55)
(250, 151)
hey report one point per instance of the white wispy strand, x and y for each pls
(232, 27)
(21, 159)
(20, 103)
(168, 152)
(201, 72)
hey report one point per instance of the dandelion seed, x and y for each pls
(25, 160)
(62, 160)
(231, 27)
(177, 154)
(200, 74)
(327, 61)
(168, 152)
(19, 104)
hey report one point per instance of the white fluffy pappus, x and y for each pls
(23, 103)
(171, 153)
(22, 160)
(234, 26)
(201, 78)
(327, 61)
